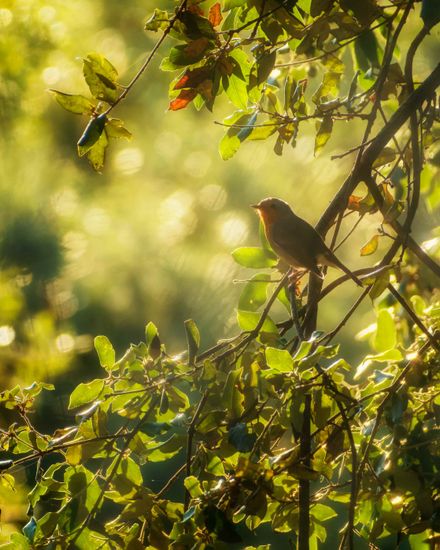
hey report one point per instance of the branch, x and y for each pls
(145, 64)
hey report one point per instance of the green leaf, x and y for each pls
(215, 466)
(228, 146)
(73, 103)
(86, 393)
(236, 90)
(152, 340)
(159, 20)
(387, 155)
(385, 337)
(105, 352)
(91, 134)
(391, 355)
(192, 485)
(248, 320)
(96, 155)
(115, 129)
(192, 339)
(323, 134)
(232, 395)
(430, 12)
(366, 51)
(279, 359)
(18, 542)
(255, 257)
(380, 284)
(254, 293)
(101, 77)
(322, 512)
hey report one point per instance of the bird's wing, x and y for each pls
(298, 241)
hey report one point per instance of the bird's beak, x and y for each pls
(256, 206)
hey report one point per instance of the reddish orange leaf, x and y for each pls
(354, 202)
(215, 15)
(192, 78)
(196, 9)
(196, 47)
(182, 100)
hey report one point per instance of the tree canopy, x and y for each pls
(269, 437)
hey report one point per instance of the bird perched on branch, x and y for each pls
(294, 240)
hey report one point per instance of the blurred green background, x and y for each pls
(149, 239)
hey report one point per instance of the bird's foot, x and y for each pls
(294, 280)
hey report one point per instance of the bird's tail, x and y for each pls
(332, 260)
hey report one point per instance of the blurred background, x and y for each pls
(150, 238)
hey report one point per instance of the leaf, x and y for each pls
(319, 6)
(182, 100)
(322, 512)
(105, 352)
(279, 359)
(323, 134)
(73, 103)
(430, 12)
(215, 14)
(239, 437)
(255, 257)
(386, 333)
(29, 529)
(254, 293)
(152, 340)
(192, 78)
(101, 77)
(188, 54)
(248, 320)
(192, 339)
(96, 155)
(159, 20)
(91, 134)
(115, 129)
(236, 90)
(265, 65)
(371, 246)
(380, 284)
(192, 485)
(86, 393)
(232, 395)
(387, 155)
(366, 50)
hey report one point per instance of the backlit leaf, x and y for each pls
(77, 104)
(255, 257)
(101, 77)
(192, 339)
(84, 394)
(323, 134)
(105, 352)
(215, 14)
(371, 246)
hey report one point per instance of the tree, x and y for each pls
(270, 426)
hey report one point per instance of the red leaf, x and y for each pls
(354, 202)
(182, 100)
(192, 78)
(215, 15)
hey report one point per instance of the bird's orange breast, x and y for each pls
(267, 216)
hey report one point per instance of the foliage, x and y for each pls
(272, 426)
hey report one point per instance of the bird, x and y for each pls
(294, 240)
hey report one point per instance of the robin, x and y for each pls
(294, 240)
